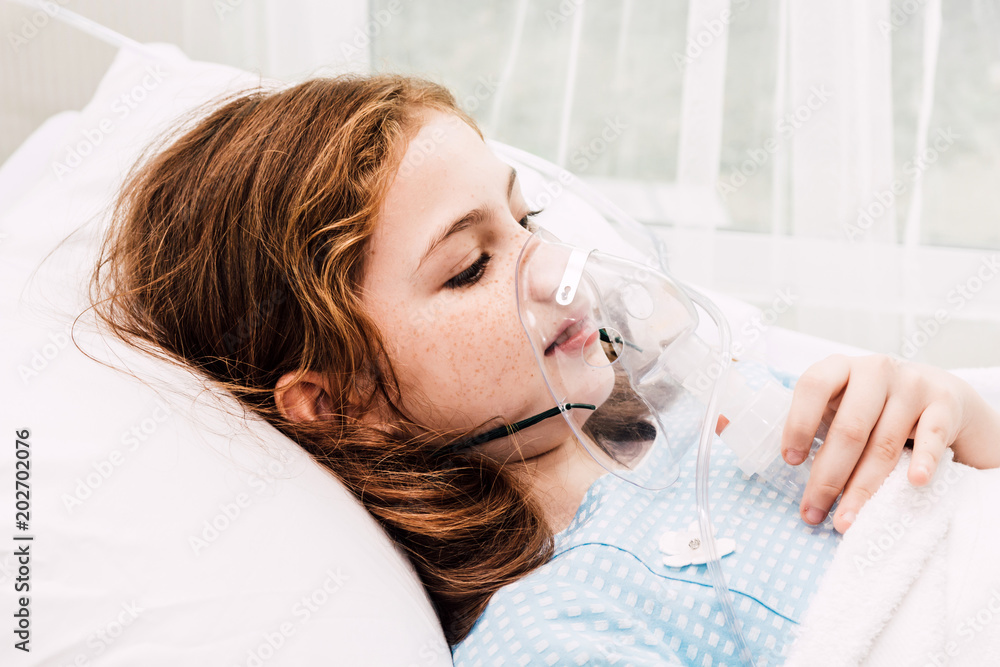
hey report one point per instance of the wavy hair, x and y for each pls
(237, 248)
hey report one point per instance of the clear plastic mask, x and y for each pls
(604, 330)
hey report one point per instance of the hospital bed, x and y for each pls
(168, 527)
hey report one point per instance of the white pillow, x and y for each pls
(167, 531)
(32, 158)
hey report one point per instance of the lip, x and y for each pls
(585, 330)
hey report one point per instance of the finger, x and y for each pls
(813, 391)
(936, 429)
(859, 411)
(884, 447)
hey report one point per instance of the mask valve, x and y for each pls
(751, 421)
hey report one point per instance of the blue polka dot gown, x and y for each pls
(607, 598)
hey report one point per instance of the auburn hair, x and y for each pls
(237, 246)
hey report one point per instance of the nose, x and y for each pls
(543, 265)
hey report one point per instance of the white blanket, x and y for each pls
(916, 579)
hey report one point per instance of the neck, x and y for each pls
(559, 480)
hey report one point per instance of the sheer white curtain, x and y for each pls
(844, 152)
(282, 38)
(855, 131)
(838, 73)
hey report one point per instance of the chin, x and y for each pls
(586, 384)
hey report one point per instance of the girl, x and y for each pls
(340, 256)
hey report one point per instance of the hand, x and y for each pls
(876, 403)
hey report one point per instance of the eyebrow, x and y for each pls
(470, 219)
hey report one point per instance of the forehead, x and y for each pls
(446, 170)
(444, 154)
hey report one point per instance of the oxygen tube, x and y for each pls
(701, 480)
(752, 427)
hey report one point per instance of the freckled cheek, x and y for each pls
(480, 359)
(484, 340)
(473, 336)
(505, 348)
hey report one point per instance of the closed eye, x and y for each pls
(474, 273)
(527, 221)
(471, 275)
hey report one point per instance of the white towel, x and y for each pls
(916, 579)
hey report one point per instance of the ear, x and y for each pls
(304, 399)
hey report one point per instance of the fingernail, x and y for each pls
(795, 457)
(848, 517)
(815, 515)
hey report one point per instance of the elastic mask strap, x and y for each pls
(509, 429)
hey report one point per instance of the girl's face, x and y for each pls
(440, 286)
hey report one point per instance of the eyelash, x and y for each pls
(526, 221)
(474, 273)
